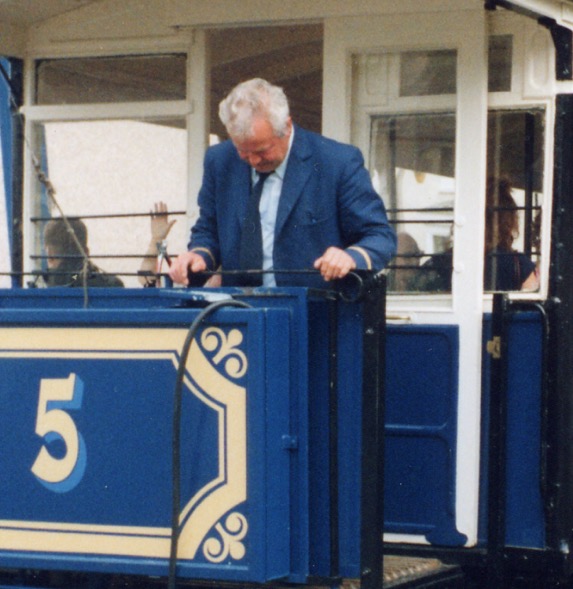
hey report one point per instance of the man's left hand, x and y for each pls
(335, 263)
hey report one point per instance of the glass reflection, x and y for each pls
(412, 162)
(109, 174)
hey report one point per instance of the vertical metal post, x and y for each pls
(16, 229)
(529, 168)
(372, 487)
(333, 437)
(497, 348)
(560, 369)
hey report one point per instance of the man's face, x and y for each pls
(264, 151)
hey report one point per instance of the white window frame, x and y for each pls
(194, 109)
(412, 31)
(533, 86)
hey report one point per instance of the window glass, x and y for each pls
(424, 73)
(412, 162)
(235, 55)
(109, 174)
(514, 200)
(411, 157)
(114, 79)
(499, 63)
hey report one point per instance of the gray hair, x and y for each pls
(249, 100)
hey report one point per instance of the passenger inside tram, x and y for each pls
(505, 268)
(152, 265)
(66, 245)
(405, 277)
(156, 253)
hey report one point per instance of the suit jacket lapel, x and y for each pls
(297, 173)
(241, 190)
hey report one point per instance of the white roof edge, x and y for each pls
(559, 10)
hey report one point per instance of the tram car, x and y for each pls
(407, 429)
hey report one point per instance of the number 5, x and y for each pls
(52, 423)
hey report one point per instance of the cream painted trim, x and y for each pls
(205, 250)
(364, 254)
(202, 516)
(198, 120)
(124, 110)
(77, 46)
(252, 12)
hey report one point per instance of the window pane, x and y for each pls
(117, 79)
(236, 55)
(499, 63)
(424, 73)
(109, 174)
(514, 199)
(412, 162)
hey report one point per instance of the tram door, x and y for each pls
(448, 108)
(416, 96)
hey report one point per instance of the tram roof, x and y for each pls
(33, 23)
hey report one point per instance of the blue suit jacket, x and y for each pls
(327, 199)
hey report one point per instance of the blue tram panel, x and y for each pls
(86, 437)
(87, 449)
(525, 518)
(421, 432)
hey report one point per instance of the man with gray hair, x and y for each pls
(279, 198)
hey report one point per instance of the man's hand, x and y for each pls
(181, 265)
(334, 263)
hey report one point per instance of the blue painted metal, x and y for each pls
(116, 361)
(123, 493)
(350, 438)
(310, 467)
(525, 519)
(421, 432)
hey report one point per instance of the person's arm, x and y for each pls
(364, 224)
(160, 228)
(531, 283)
(527, 267)
(203, 246)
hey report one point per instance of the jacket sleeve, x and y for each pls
(367, 235)
(204, 234)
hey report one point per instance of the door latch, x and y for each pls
(493, 347)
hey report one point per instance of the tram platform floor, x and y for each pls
(413, 572)
(399, 573)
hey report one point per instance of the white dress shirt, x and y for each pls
(268, 208)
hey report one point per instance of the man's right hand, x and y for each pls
(181, 265)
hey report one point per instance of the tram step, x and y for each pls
(400, 571)
(404, 572)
